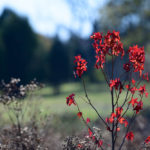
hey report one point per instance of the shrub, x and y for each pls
(117, 124)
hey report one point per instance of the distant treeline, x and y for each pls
(27, 55)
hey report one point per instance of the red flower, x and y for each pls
(116, 36)
(117, 117)
(88, 120)
(117, 49)
(137, 58)
(79, 114)
(127, 86)
(100, 60)
(109, 44)
(147, 140)
(117, 84)
(97, 36)
(133, 89)
(70, 100)
(112, 84)
(90, 132)
(80, 65)
(127, 67)
(138, 107)
(130, 136)
(123, 121)
(111, 119)
(113, 44)
(118, 111)
(133, 81)
(100, 143)
(133, 101)
(142, 91)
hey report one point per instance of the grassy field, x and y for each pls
(98, 93)
(47, 104)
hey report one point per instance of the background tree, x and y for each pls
(19, 42)
(58, 63)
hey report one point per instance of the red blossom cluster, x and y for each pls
(70, 99)
(116, 84)
(117, 118)
(109, 44)
(137, 58)
(81, 66)
(130, 136)
(88, 120)
(133, 101)
(147, 140)
(138, 107)
(79, 114)
(131, 89)
(142, 90)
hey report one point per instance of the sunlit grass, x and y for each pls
(45, 103)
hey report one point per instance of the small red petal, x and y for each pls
(79, 114)
(88, 120)
(133, 81)
(90, 132)
(147, 140)
(100, 143)
(130, 136)
(79, 146)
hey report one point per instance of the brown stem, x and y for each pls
(86, 95)
(112, 101)
(105, 76)
(84, 119)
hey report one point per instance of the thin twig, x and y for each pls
(86, 95)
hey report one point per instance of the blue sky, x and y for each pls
(51, 17)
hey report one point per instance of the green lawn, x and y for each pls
(98, 93)
(45, 103)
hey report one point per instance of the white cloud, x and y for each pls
(86, 30)
(46, 15)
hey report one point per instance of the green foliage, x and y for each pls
(44, 101)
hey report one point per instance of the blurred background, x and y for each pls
(39, 39)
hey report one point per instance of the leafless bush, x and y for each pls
(15, 91)
(25, 139)
(19, 136)
(84, 143)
